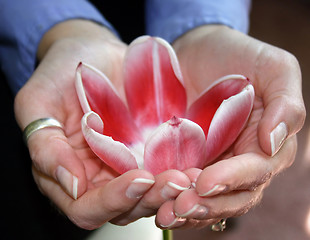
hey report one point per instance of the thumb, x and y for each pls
(53, 156)
(284, 112)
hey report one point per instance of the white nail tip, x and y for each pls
(197, 210)
(169, 225)
(177, 187)
(138, 187)
(193, 209)
(75, 187)
(215, 190)
(176, 222)
(143, 180)
(68, 181)
(277, 137)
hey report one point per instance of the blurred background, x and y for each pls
(284, 212)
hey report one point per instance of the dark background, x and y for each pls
(25, 211)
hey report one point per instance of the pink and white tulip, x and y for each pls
(153, 128)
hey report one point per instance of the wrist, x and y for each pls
(77, 29)
(198, 32)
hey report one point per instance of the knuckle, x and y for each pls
(260, 182)
(37, 176)
(300, 115)
(297, 112)
(36, 157)
(290, 150)
(285, 59)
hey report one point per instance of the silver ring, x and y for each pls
(40, 124)
(220, 226)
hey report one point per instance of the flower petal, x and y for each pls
(96, 93)
(228, 121)
(204, 108)
(113, 153)
(176, 144)
(153, 82)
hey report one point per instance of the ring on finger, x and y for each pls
(220, 226)
(40, 124)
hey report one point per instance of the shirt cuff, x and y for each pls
(25, 24)
(170, 19)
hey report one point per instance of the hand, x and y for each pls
(64, 167)
(235, 183)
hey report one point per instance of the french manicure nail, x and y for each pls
(214, 191)
(68, 181)
(197, 212)
(138, 187)
(277, 137)
(177, 222)
(170, 190)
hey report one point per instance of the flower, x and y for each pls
(153, 128)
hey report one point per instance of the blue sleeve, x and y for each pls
(170, 19)
(23, 24)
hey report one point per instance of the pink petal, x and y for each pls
(153, 82)
(176, 144)
(228, 121)
(96, 93)
(113, 153)
(204, 108)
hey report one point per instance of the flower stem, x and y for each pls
(168, 234)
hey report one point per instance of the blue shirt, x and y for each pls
(23, 23)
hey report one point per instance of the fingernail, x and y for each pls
(177, 222)
(138, 187)
(214, 191)
(277, 137)
(171, 190)
(68, 181)
(197, 212)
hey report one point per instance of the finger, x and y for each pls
(53, 156)
(281, 119)
(233, 173)
(193, 174)
(101, 204)
(168, 185)
(190, 206)
(166, 219)
(284, 110)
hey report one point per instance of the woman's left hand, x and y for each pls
(267, 145)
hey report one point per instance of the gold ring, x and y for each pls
(40, 124)
(220, 226)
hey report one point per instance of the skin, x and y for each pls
(102, 195)
(249, 165)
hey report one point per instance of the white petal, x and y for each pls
(113, 153)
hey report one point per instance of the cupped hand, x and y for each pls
(267, 145)
(64, 167)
